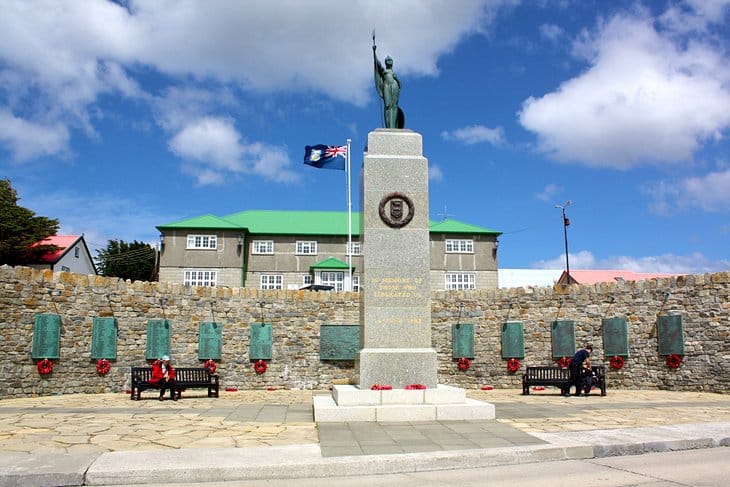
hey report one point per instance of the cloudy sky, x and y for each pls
(119, 116)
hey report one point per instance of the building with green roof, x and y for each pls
(269, 249)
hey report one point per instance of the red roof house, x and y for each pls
(596, 276)
(72, 255)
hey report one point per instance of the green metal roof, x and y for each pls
(330, 263)
(273, 222)
(206, 221)
(453, 226)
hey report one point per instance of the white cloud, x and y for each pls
(710, 192)
(695, 263)
(435, 174)
(549, 192)
(27, 140)
(58, 58)
(551, 32)
(212, 149)
(646, 97)
(475, 134)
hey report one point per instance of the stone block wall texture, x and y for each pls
(702, 300)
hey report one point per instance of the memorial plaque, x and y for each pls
(513, 339)
(261, 341)
(210, 336)
(46, 337)
(158, 339)
(563, 338)
(670, 331)
(462, 340)
(104, 338)
(339, 342)
(615, 337)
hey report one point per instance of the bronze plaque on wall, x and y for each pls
(339, 342)
(158, 339)
(104, 338)
(46, 337)
(563, 338)
(615, 337)
(210, 337)
(462, 340)
(513, 339)
(670, 331)
(261, 341)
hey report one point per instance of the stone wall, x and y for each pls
(702, 300)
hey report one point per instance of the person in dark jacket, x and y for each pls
(576, 366)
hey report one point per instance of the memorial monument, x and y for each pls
(396, 367)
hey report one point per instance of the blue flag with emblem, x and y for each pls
(326, 156)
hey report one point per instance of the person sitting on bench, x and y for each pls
(163, 374)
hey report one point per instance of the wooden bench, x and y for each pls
(558, 377)
(185, 378)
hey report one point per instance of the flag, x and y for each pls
(326, 156)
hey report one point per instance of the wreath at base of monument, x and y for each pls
(210, 366)
(45, 366)
(463, 364)
(617, 361)
(103, 366)
(673, 361)
(259, 366)
(513, 364)
(564, 362)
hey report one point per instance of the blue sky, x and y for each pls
(116, 117)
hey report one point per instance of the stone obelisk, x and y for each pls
(395, 296)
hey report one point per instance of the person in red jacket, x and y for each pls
(163, 374)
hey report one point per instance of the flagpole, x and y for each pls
(349, 217)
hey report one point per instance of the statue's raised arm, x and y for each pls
(387, 85)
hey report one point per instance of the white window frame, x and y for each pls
(306, 247)
(355, 283)
(459, 246)
(271, 281)
(65, 269)
(307, 280)
(200, 277)
(456, 281)
(263, 247)
(76, 252)
(202, 242)
(353, 248)
(333, 278)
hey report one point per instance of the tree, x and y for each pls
(135, 261)
(20, 229)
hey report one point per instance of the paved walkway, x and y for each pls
(240, 423)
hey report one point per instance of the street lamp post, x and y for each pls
(566, 222)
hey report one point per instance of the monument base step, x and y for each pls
(444, 403)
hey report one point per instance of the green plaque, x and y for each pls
(158, 339)
(339, 342)
(513, 339)
(261, 341)
(670, 332)
(615, 337)
(46, 337)
(210, 335)
(462, 340)
(563, 338)
(104, 338)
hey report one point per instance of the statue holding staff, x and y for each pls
(388, 86)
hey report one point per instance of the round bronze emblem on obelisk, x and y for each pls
(393, 212)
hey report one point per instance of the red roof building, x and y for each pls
(72, 255)
(597, 276)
